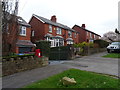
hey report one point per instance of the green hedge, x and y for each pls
(44, 47)
(101, 43)
(60, 53)
(15, 56)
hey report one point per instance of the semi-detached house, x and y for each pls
(85, 34)
(50, 30)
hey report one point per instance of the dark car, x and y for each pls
(113, 47)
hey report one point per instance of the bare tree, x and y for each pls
(110, 36)
(10, 27)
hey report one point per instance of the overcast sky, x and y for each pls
(100, 16)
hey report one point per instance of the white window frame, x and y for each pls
(23, 31)
(33, 33)
(87, 33)
(50, 28)
(59, 31)
(90, 35)
(94, 36)
(69, 33)
(75, 35)
(69, 42)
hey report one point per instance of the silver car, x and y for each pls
(113, 47)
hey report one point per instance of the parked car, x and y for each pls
(113, 47)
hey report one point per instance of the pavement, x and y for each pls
(94, 63)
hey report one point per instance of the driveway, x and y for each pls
(94, 63)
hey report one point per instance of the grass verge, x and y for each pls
(112, 55)
(84, 79)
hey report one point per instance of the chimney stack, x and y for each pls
(53, 18)
(83, 26)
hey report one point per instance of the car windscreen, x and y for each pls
(115, 43)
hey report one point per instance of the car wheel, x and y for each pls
(109, 51)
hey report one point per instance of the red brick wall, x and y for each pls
(82, 34)
(28, 34)
(38, 27)
(41, 29)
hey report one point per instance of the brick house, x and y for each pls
(18, 36)
(50, 30)
(85, 35)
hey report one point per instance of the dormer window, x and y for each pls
(50, 28)
(23, 31)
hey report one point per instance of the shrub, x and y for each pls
(44, 47)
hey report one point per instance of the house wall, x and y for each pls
(28, 34)
(82, 35)
(39, 29)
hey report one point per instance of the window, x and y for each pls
(90, 35)
(59, 31)
(50, 28)
(69, 33)
(33, 33)
(94, 37)
(75, 35)
(87, 33)
(23, 31)
(69, 42)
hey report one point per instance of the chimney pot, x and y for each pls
(83, 26)
(53, 18)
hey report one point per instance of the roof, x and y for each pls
(44, 20)
(24, 43)
(22, 21)
(87, 30)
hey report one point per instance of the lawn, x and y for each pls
(84, 79)
(112, 55)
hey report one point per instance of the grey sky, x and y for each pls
(100, 16)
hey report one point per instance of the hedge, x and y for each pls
(101, 43)
(44, 47)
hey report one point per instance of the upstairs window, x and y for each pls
(75, 35)
(59, 31)
(50, 28)
(33, 33)
(23, 31)
(87, 33)
(69, 34)
(90, 35)
(94, 36)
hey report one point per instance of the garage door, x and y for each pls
(25, 49)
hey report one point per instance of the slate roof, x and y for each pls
(53, 23)
(24, 43)
(22, 21)
(87, 30)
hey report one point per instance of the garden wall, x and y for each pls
(14, 65)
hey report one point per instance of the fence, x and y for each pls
(89, 51)
(62, 53)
